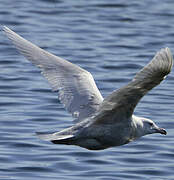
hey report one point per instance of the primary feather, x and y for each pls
(76, 86)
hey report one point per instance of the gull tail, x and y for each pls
(56, 138)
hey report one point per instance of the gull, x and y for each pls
(100, 123)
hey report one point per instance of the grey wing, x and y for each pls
(76, 86)
(121, 103)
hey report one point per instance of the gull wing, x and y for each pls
(76, 86)
(120, 104)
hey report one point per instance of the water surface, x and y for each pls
(112, 40)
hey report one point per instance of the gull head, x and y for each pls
(150, 127)
(146, 126)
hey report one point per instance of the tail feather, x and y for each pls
(53, 137)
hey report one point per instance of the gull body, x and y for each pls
(100, 123)
(93, 136)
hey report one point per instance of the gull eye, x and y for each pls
(151, 124)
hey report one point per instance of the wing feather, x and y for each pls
(122, 102)
(77, 89)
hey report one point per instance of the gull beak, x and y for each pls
(161, 131)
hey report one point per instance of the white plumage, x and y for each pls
(101, 123)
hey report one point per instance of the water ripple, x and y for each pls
(112, 40)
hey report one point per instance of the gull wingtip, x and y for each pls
(4, 28)
(168, 50)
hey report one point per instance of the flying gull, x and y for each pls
(101, 123)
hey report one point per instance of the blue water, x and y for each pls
(112, 40)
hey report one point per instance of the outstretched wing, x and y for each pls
(76, 86)
(120, 104)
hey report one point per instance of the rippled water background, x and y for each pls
(112, 40)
